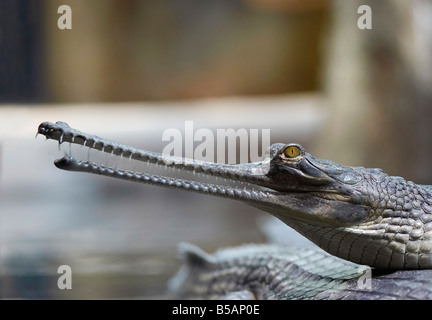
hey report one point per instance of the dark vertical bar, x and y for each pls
(21, 51)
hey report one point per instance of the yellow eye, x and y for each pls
(292, 151)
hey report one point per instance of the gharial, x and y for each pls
(359, 216)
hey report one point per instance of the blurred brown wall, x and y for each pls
(130, 50)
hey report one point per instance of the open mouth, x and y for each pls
(251, 183)
(89, 153)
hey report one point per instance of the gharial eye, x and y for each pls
(292, 152)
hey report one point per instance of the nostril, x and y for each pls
(63, 162)
(42, 128)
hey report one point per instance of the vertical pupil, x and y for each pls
(292, 152)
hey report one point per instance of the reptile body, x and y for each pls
(358, 214)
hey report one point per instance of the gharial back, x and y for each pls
(274, 272)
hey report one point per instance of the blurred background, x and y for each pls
(130, 69)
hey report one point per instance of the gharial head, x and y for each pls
(359, 214)
(330, 194)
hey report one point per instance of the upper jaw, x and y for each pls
(254, 174)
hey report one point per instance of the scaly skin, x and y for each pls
(358, 214)
(272, 272)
